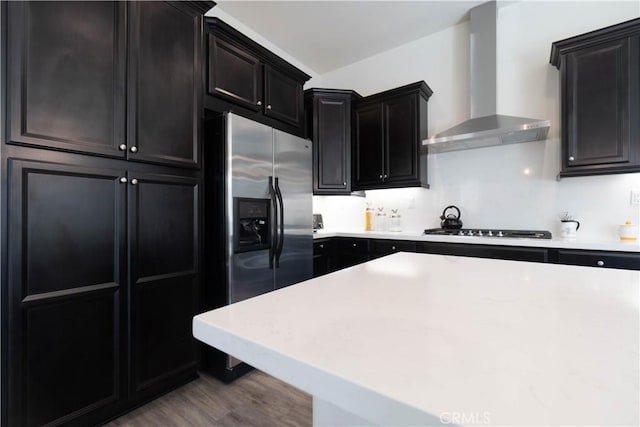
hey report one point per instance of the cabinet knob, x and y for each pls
(355, 244)
(380, 176)
(321, 245)
(344, 183)
(134, 181)
(123, 180)
(393, 248)
(134, 149)
(600, 263)
(386, 176)
(268, 106)
(571, 158)
(259, 103)
(122, 147)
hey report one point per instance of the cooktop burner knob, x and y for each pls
(470, 233)
(500, 234)
(490, 233)
(480, 233)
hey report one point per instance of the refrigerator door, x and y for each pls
(249, 165)
(292, 166)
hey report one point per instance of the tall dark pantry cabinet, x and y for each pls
(101, 210)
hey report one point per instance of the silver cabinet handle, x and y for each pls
(134, 149)
(571, 158)
(268, 106)
(134, 181)
(600, 263)
(123, 180)
(259, 103)
(122, 147)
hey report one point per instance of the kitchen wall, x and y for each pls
(510, 186)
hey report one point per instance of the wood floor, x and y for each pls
(256, 399)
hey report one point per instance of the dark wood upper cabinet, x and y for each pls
(240, 80)
(70, 89)
(389, 129)
(328, 125)
(66, 82)
(369, 146)
(249, 80)
(282, 96)
(165, 93)
(600, 94)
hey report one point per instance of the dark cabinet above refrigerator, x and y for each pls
(245, 78)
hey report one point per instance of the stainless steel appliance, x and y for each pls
(482, 232)
(258, 211)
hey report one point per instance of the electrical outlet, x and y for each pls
(635, 197)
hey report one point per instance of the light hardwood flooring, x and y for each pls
(256, 399)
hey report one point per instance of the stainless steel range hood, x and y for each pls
(486, 127)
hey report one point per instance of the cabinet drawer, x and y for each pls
(322, 247)
(599, 259)
(385, 247)
(485, 251)
(353, 246)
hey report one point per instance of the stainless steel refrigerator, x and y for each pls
(259, 207)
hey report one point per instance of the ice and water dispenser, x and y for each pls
(251, 223)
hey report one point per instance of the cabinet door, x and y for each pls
(332, 146)
(66, 269)
(401, 139)
(164, 83)
(283, 97)
(234, 74)
(597, 101)
(67, 75)
(368, 150)
(164, 258)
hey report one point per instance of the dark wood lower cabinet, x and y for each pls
(66, 286)
(485, 251)
(626, 260)
(164, 260)
(103, 281)
(331, 254)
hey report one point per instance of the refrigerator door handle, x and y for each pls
(274, 223)
(280, 223)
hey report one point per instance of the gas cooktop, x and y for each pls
(481, 232)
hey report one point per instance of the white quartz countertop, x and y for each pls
(417, 339)
(586, 244)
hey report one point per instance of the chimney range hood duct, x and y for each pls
(486, 128)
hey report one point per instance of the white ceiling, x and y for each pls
(326, 35)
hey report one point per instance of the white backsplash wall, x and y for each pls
(511, 186)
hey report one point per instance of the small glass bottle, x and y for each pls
(381, 220)
(395, 221)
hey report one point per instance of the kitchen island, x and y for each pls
(419, 339)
